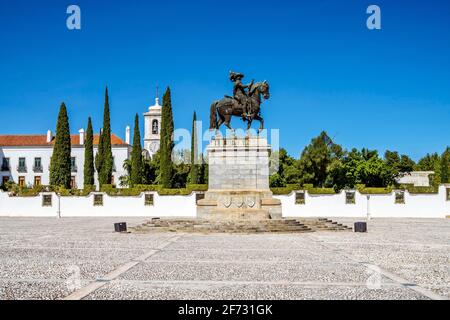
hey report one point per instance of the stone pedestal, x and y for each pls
(238, 181)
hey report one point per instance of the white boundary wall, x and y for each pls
(113, 206)
(377, 205)
(381, 205)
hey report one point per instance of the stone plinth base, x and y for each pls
(238, 181)
(239, 204)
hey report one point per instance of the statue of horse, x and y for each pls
(228, 107)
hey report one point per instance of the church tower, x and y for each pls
(152, 128)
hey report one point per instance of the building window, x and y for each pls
(98, 199)
(37, 181)
(21, 181)
(47, 200)
(148, 199)
(299, 197)
(5, 180)
(22, 165)
(350, 197)
(73, 164)
(155, 126)
(37, 167)
(73, 184)
(114, 164)
(399, 197)
(5, 164)
(199, 196)
(448, 194)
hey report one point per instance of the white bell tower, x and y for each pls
(152, 127)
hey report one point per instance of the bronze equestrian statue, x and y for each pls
(245, 103)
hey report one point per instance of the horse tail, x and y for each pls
(213, 116)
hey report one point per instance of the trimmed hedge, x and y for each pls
(308, 187)
(422, 190)
(111, 190)
(363, 190)
(138, 189)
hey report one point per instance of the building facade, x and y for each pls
(25, 159)
(417, 178)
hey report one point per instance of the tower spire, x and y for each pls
(157, 96)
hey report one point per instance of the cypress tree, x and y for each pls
(60, 166)
(445, 166)
(98, 156)
(194, 174)
(105, 158)
(89, 156)
(166, 141)
(136, 155)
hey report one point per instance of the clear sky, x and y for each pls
(380, 89)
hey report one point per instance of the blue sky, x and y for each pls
(383, 89)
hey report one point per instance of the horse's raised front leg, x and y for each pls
(249, 123)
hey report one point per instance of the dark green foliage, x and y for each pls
(316, 159)
(204, 171)
(104, 160)
(397, 165)
(152, 169)
(166, 144)
(136, 175)
(431, 162)
(445, 166)
(180, 175)
(89, 155)
(288, 169)
(325, 164)
(98, 156)
(60, 166)
(194, 171)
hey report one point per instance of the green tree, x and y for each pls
(288, 171)
(397, 166)
(203, 170)
(152, 169)
(445, 166)
(431, 162)
(194, 172)
(89, 156)
(373, 171)
(136, 155)
(105, 158)
(60, 165)
(316, 158)
(99, 155)
(166, 144)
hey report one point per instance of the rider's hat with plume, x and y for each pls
(235, 76)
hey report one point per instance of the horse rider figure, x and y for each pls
(240, 94)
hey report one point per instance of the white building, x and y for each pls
(25, 159)
(152, 128)
(417, 178)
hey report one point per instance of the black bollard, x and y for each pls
(120, 227)
(360, 227)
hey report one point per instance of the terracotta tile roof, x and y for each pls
(41, 140)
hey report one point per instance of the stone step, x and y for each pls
(228, 226)
(241, 226)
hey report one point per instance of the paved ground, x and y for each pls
(83, 259)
